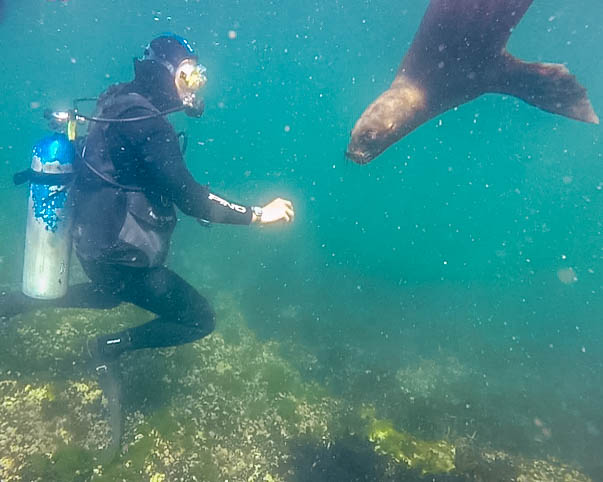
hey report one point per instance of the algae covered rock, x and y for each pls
(224, 408)
(48, 431)
(428, 457)
(227, 407)
(485, 464)
(462, 458)
(235, 405)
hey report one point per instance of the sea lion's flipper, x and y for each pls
(550, 87)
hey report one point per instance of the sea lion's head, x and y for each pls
(389, 118)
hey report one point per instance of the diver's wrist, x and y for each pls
(256, 214)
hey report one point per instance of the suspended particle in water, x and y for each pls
(287, 128)
(232, 34)
(592, 429)
(567, 275)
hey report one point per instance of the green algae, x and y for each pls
(426, 456)
(224, 408)
(429, 457)
(278, 379)
(135, 458)
(164, 423)
(67, 463)
(287, 409)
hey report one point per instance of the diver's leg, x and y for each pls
(183, 314)
(88, 295)
(83, 295)
(13, 303)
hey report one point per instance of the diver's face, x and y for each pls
(189, 78)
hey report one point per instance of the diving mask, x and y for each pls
(189, 77)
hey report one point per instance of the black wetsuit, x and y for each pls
(132, 177)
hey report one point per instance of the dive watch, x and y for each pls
(257, 211)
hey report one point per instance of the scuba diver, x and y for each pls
(131, 177)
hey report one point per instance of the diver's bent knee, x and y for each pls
(210, 323)
(203, 323)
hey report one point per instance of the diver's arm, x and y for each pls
(159, 147)
(167, 167)
(157, 143)
(194, 199)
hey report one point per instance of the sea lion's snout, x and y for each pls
(358, 157)
(368, 139)
(391, 116)
(360, 148)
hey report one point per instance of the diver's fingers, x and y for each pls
(289, 209)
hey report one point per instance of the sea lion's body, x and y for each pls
(459, 53)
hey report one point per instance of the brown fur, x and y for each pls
(458, 54)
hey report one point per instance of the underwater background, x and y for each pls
(452, 288)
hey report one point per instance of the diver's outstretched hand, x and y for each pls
(276, 210)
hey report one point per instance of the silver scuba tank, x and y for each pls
(49, 219)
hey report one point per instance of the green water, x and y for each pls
(445, 258)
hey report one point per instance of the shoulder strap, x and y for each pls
(123, 102)
(117, 105)
(109, 180)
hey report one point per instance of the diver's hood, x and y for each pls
(156, 83)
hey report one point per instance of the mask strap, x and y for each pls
(151, 55)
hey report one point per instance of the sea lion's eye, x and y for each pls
(368, 136)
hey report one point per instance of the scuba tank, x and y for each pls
(48, 232)
(54, 165)
(49, 209)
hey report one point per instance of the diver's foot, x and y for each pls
(104, 350)
(98, 362)
(105, 369)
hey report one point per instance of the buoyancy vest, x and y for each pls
(149, 219)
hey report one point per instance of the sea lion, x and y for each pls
(458, 54)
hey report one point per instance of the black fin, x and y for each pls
(550, 87)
